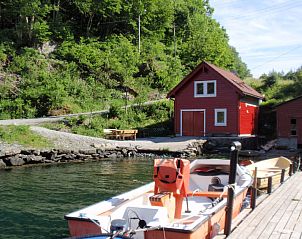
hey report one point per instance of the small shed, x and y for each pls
(211, 101)
(289, 121)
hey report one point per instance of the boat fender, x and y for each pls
(215, 229)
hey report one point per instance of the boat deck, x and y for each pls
(278, 216)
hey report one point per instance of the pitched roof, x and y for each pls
(244, 88)
(285, 102)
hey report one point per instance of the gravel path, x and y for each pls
(63, 140)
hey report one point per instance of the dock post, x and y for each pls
(254, 190)
(235, 148)
(295, 167)
(282, 175)
(253, 197)
(269, 185)
(291, 169)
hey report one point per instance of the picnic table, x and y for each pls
(120, 134)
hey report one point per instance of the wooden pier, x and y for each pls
(278, 216)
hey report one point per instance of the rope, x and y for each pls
(217, 200)
(164, 233)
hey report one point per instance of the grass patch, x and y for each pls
(151, 120)
(22, 135)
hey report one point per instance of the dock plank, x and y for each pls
(282, 220)
(295, 215)
(298, 225)
(278, 216)
(296, 235)
(290, 214)
(267, 223)
(246, 229)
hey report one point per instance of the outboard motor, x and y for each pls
(171, 177)
(118, 225)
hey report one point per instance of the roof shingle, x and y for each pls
(229, 76)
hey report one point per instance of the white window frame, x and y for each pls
(205, 88)
(225, 117)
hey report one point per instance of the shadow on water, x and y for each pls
(34, 200)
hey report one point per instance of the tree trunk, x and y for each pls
(30, 26)
(89, 24)
(56, 11)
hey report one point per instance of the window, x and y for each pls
(205, 88)
(220, 117)
(293, 127)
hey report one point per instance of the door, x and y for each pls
(193, 123)
(299, 130)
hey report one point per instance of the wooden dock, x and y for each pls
(278, 216)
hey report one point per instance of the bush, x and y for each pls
(158, 122)
(115, 111)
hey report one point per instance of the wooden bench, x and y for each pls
(110, 133)
(128, 133)
(120, 134)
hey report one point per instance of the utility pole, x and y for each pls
(174, 38)
(174, 33)
(139, 33)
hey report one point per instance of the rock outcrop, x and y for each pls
(19, 157)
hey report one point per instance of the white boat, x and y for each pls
(187, 200)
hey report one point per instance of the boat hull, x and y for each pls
(270, 168)
(80, 227)
(203, 214)
(262, 182)
(206, 229)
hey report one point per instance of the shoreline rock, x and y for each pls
(21, 157)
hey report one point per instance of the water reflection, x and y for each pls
(33, 200)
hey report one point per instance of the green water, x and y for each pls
(34, 200)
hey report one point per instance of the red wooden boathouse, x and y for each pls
(289, 120)
(211, 101)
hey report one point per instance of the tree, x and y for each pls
(270, 79)
(97, 58)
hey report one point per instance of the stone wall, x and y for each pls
(19, 157)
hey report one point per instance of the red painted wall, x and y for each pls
(248, 118)
(285, 112)
(226, 97)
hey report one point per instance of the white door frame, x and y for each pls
(190, 110)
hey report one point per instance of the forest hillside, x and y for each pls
(68, 56)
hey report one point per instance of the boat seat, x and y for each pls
(212, 194)
(202, 183)
(216, 187)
